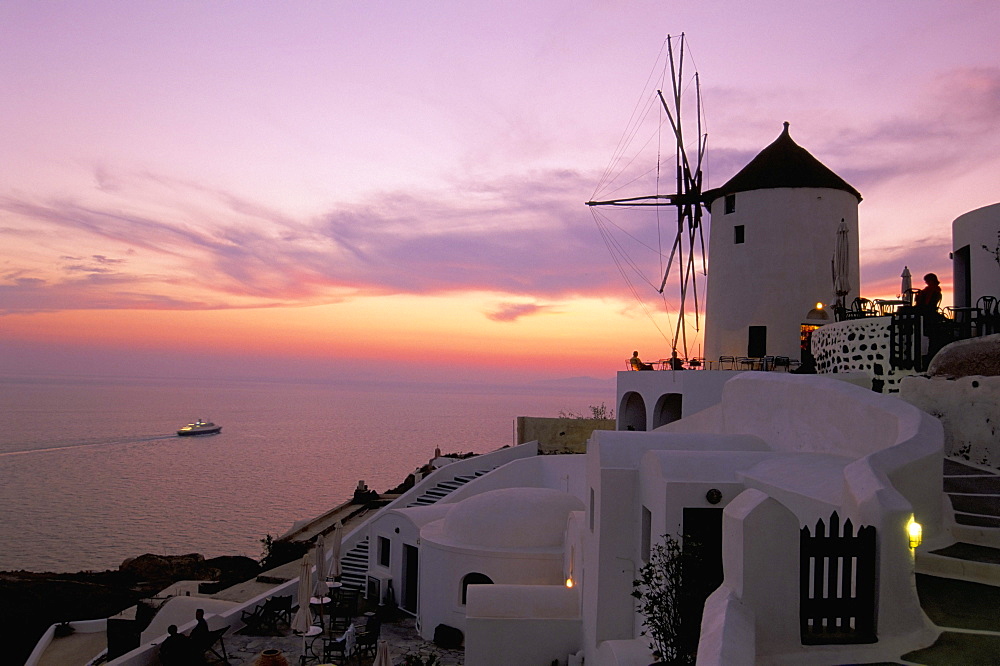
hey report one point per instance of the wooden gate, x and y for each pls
(837, 578)
(905, 338)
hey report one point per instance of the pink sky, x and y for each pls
(314, 189)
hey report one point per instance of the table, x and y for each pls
(888, 306)
(314, 633)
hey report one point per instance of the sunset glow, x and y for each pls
(396, 189)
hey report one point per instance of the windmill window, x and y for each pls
(738, 234)
(730, 204)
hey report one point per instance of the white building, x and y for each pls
(741, 479)
(976, 268)
(773, 237)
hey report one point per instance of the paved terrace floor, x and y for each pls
(401, 636)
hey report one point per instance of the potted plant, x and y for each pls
(658, 590)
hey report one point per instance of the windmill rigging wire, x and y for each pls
(689, 178)
(610, 243)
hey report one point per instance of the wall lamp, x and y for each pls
(915, 533)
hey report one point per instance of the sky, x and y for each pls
(395, 190)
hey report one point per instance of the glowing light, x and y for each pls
(569, 582)
(819, 306)
(915, 532)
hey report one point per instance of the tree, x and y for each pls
(995, 251)
(600, 411)
(658, 590)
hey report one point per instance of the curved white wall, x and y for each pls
(780, 271)
(976, 271)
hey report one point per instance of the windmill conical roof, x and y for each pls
(784, 163)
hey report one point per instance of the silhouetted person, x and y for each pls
(199, 635)
(177, 649)
(637, 363)
(929, 297)
(675, 363)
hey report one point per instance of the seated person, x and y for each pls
(929, 297)
(200, 634)
(676, 363)
(178, 650)
(637, 364)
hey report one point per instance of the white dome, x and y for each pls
(511, 518)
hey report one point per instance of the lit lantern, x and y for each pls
(915, 532)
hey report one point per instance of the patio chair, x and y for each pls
(987, 305)
(264, 617)
(863, 307)
(339, 650)
(368, 637)
(341, 615)
(727, 361)
(207, 645)
(782, 362)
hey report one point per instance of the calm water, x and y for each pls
(91, 472)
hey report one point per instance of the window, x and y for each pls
(383, 551)
(473, 579)
(730, 203)
(738, 234)
(647, 529)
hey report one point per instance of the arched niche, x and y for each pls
(668, 409)
(632, 412)
(473, 578)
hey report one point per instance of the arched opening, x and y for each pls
(632, 412)
(668, 409)
(474, 578)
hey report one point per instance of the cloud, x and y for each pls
(514, 311)
(527, 235)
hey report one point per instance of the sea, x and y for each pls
(92, 471)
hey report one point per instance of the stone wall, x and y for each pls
(556, 435)
(968, 410)
(858, 346)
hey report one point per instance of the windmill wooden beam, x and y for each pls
(654, 200)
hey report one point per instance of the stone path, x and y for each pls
(401, 635)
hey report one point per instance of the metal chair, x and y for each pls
(863, 307)
(727, 360)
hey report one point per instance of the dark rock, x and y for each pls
(964, 358)
(162, 567)
(448, 638)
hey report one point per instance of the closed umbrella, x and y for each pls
(336, 537)
(382, 657)
(302, 622)
(321, 586)
(906, 285)
(842, 265)
(320, 553)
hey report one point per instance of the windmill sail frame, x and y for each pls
(688, 198)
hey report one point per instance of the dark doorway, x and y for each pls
(411, 575)
(702, 571)
(757, 342)
(962, 272)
